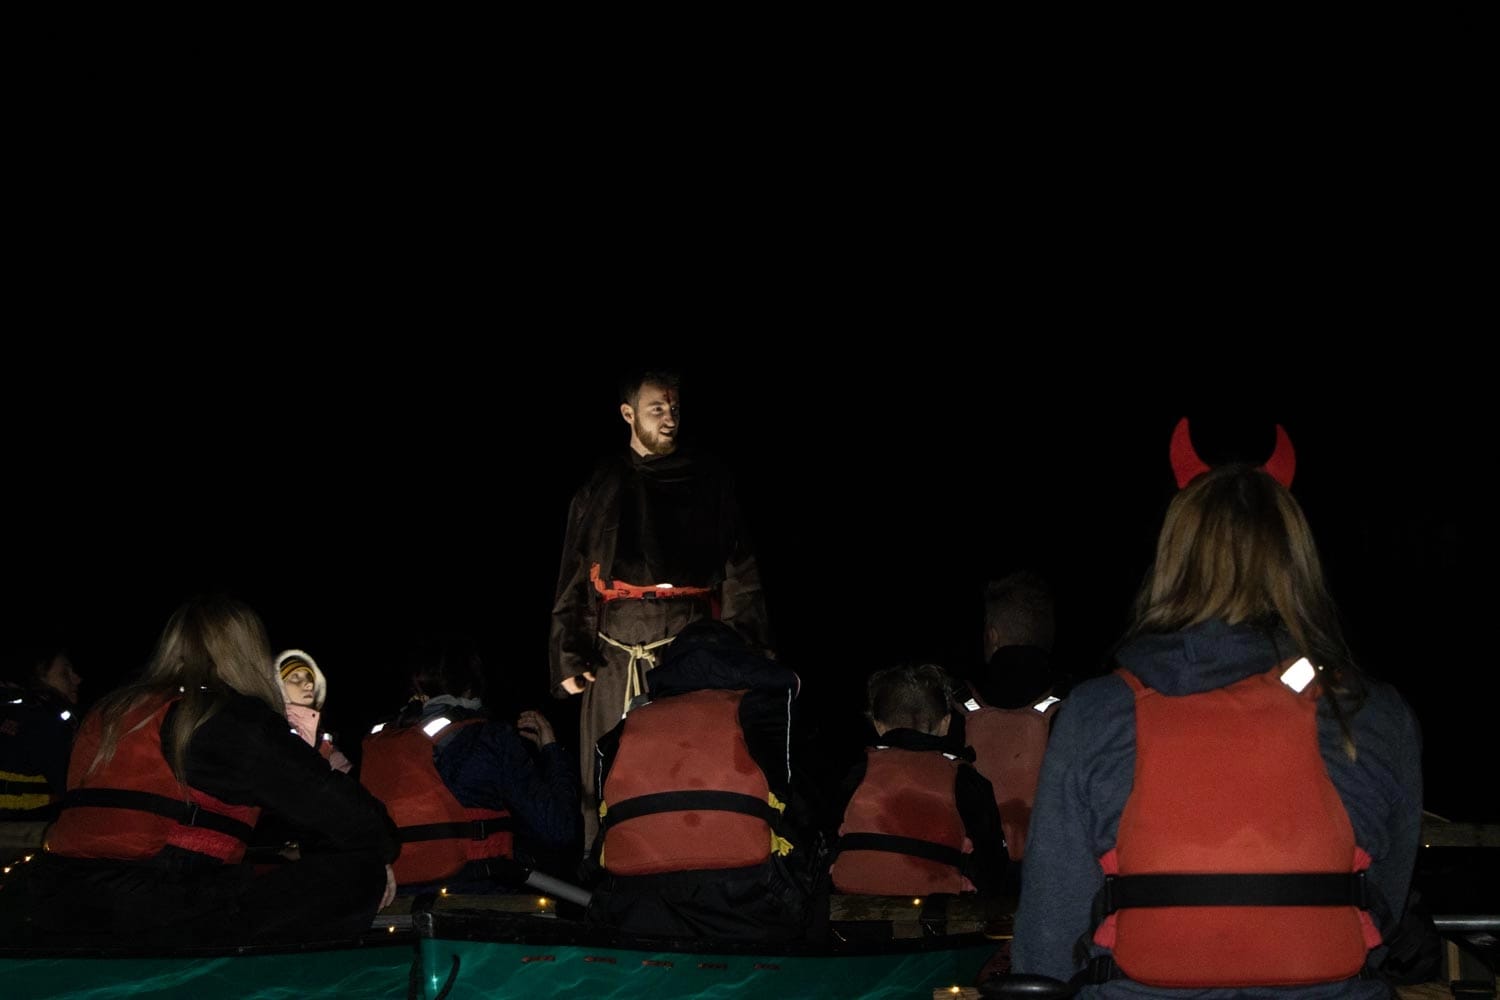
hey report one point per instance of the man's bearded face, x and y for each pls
(656, 413)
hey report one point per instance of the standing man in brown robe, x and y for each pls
(655, 540)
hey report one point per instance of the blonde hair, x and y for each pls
(1236, 546)
(209, 647)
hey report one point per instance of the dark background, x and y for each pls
(360, 492)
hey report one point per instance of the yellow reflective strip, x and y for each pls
(28, 801)
(23, 779)
(780, 845)
(603, 809)
(776, 803)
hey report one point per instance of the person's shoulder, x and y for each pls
(606, 471)
(708, 464)
(496, 735)
(1383, 706)
(247, 712)
(1096, 693)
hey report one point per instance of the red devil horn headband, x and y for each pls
(1187, 466)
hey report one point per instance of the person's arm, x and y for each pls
(1381, 789)
(606, 749)
(574, 611)
(741, 601)
(245, 754)
(54, 742)
(1086, 776)
(981, 819)
(541, 794)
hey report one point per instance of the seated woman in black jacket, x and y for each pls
(167, 780)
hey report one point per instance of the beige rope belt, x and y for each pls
(635, 681)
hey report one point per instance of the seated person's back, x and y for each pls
(920, 819)
(694, 786)
(1007, 719)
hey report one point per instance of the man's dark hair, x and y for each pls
(1019, 608)
(909, 697)
(630, 385)
(24, 667)
(447, 665)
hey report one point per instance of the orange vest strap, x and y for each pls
(619, 590)
(186, 813)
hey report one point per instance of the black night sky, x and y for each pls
(358, 493)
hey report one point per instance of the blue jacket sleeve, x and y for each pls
(494, 770)
(1086, 776)
(1381, 788)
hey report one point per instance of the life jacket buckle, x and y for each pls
(1108, 894)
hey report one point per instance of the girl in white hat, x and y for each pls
(305, 688)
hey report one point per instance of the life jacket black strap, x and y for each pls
(660, 802)
(474, 829)
(925, 849)
(1121, 892)
(186, 813)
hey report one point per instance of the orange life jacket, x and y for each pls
(439, 835)
(1235, 863)
(131, 806)
(902, 834)
(683, 793)
(1008, 746)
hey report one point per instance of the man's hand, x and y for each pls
(575, 685)
(535, 727)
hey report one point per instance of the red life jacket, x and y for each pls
(1230, 783)
(1008, 746)
(131, 806)
(902, 834)
(683, 793)
(439, 835)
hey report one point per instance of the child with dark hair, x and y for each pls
(920, 819)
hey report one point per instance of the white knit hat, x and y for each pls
(291, 659)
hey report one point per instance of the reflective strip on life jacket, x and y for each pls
(20, 792)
